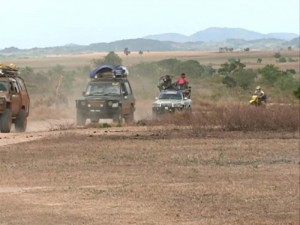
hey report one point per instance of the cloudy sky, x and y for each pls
(47, 23)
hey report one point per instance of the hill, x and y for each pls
(210, 39)
(221, 34)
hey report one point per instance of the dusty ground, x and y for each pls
(147, 175)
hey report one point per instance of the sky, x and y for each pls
(48, 23)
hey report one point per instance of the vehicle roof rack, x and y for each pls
(8, 70)
(109, 71)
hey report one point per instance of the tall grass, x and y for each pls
(236, 117)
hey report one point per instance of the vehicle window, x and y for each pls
(15, 87)
(3, 86)
(123, 89)
(104, 88)
(21, 85)
(175, 95)
(128, 88)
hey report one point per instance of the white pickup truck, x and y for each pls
(170, 101)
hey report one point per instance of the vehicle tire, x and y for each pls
(117, 117)
(130, 117)
(21, 121)
(5, 121)
(80, 118)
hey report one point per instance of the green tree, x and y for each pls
(191, 68)
(112, 59)
(244, 78)
(233, 65)
(168, 65)
(126, 51)
(270, 74)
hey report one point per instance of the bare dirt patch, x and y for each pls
(150, 175)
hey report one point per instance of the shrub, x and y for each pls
(190, 67)
(282, 59)
(270, 73)
(277, 55)
(297, 92)
(244, 78)
(229, 81)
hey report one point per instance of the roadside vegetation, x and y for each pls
(220, 91)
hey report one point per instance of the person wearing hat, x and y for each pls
(260, 94)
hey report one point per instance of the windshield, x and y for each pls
(3, 86)
(103, 88)
(170, 95)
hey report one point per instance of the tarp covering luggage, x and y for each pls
(109, 71)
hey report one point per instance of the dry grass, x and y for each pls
(204, 57)
(208, 116)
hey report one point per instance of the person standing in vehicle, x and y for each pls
(182, 82)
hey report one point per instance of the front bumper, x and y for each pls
(165, 109)
(96, 110)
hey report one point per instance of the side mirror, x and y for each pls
(83, 93)
(125, 96)
(156, 98)
(185, 98)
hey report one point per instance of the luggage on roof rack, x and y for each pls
(8, 70)
(109, 71)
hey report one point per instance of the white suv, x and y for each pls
(170, 101)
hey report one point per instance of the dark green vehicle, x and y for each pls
(108, 95)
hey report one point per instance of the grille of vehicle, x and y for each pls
(96, 103)
(166, 105)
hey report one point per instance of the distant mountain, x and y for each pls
(217, 34)
(211, 39)
(169, 37)
(295, 42)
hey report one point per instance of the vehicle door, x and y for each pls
(16, 101)
(24, 95)
(128, 99)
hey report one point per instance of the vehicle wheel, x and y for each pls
(21, 121)
(117, 118)
(80, 118)
(5, 121)
(130, 117)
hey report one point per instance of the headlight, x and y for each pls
(110, 103)
(82, 103)
(115, 105)
(2, 101)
